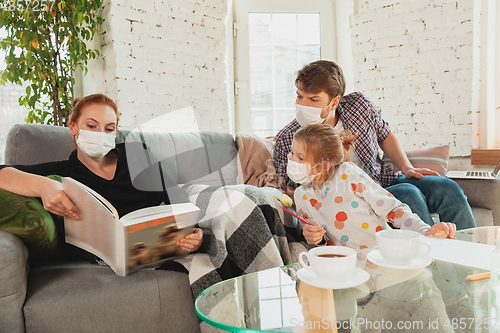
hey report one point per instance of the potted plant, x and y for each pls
(45, 43)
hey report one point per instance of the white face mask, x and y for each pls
(307, 115)
(95, 144)
(299, 172)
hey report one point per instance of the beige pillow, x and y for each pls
(255, 162)
(433, 158)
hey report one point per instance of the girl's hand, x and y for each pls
(192, 241)
(56, 201)
(313, 233)
(443, 230)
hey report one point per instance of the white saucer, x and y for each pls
(358, 277)
(376, 258)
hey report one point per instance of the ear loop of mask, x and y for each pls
(329, 104)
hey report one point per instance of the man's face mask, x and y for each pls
(307, 115)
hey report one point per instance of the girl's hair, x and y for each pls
(323, 143)
(80, 103)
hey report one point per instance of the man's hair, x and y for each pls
(321, 75)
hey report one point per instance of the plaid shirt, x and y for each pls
(359, 115)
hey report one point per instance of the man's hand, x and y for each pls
(395, 151)
(419, 173)
(443, 230)
(313, 233)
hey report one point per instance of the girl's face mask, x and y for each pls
(95, 144)
(299, 172)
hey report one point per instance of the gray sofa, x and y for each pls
(81, 297)
(76, 296)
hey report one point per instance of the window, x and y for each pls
(274, 40)
(486, 123)
(278, 302)
(489, 78)
(10, 111)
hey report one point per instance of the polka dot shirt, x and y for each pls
(351, 207)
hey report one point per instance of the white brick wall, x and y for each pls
(160, 56)
(413, 59)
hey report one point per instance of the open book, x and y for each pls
(141, 239)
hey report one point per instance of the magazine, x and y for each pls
(141, 239)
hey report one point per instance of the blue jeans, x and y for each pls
(434, 194)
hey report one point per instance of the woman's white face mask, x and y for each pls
(307, 115)
(95, 144)
(299, 172)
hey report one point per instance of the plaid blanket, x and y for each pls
(245, 231)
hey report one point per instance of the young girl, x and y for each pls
(339, 199)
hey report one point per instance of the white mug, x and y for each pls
(332, 263)
(401, 247)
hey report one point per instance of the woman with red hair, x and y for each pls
(96, 162)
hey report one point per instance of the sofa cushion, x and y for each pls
(80, 297)
(13, 259)
(26, 218)
(205, 158)
(37, 228)
(482, 216)
(195, 157)
(434, 158)
(29, 144)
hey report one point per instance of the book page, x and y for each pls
(460, 252)
(112, 210)
(156, 212)
(95, 231)
(152, 234)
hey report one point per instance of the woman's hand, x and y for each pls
(313, 233)
(192, 241)
(443, 230)
(419, 173)
(29, 185)
(56, 201)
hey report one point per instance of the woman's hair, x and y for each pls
(80, 103)
(321, 75)
(323, 143)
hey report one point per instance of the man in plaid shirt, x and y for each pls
(320, 99)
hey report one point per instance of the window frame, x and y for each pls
(486, 135)
(241, 8)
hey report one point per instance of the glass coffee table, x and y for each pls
(433, 298)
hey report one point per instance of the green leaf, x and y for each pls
(7, 41)
(31, 47)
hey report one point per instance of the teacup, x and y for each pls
(401, 247)
(332, 263)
